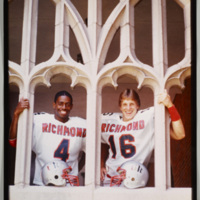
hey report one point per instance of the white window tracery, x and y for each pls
(93, 74)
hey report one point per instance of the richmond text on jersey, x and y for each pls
(63, 130)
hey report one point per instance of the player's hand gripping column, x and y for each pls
(177, 130)
(165, 99)
(22, 104)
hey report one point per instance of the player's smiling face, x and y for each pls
(129, 109)
(62, 108)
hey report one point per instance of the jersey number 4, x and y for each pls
(127, 149)
(63, 150)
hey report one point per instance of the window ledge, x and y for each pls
(99, 193)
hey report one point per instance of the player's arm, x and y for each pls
(104, 156)
(23, 104)
(177, 130)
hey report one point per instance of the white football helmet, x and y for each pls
(57, 173)
(132, 174)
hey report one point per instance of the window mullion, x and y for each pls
(23, 151)
(91, 139)
(159, 64)
(160, 146)
(29, 35)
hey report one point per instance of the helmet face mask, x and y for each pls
(71, 179)
(56, 173)
(131, 174)
(118, 179)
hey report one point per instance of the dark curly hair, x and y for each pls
(63, 93)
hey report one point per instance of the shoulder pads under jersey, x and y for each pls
(39, 113)
(111, 115)
(150, 109)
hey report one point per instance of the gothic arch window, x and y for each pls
(90, 64)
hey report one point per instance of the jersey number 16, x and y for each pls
(126, 148)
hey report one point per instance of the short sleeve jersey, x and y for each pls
(131, 140)
(54, 140)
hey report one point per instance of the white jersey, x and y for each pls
(131, 140)
(54, 140)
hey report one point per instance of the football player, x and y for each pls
(129, 135)
(55, 136)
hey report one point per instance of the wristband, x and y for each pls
(174, 114)
(12, 142)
